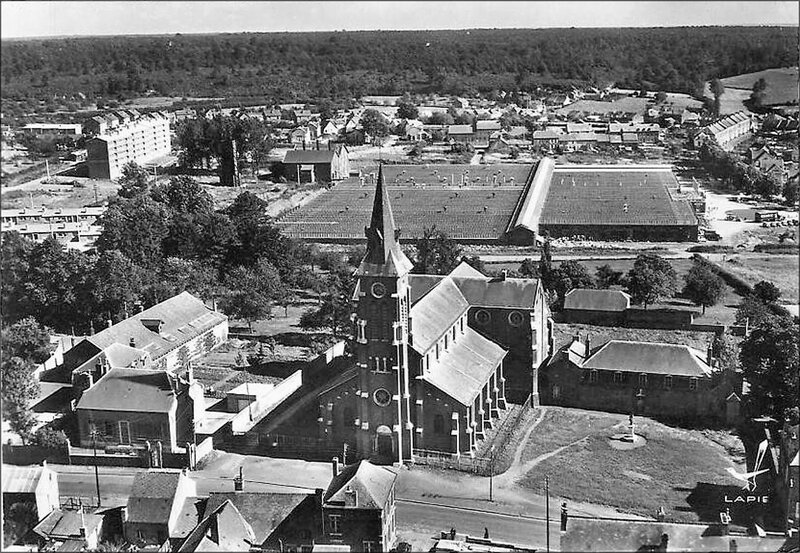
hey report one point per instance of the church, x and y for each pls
(437, 357)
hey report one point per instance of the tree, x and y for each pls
(703, 286)
(607, 277)
(15, 250)
(546, 271)
(374, 123)
(437, 254)
(766, 292)
(529, 268)
(717, 90)
(790, 191)
(55, 277)
(758, 94)
(752, 311)
(407, 110)
(19, 388)
(571, 275)
(115, 284)
(335, 308)
(725, 351)
(651, 279)
(134, 181)
(183, 194)
(252, 292)
(178, 275)
(661, 97)
(769, 357)
(26, 339)
(136, 226)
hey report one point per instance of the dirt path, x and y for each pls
(509, 477)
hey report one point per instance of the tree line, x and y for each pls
(309, 66)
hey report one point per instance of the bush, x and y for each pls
(740, 286)
(710, 248)
(51, 439)
(777, 248)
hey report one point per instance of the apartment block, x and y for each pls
(139, 140)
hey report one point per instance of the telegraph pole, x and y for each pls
(96, 472)
(491, 472)
(547, 509)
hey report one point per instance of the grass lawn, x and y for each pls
(670, 470)
(781, 84)
(781, 270)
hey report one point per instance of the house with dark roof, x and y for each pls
(645, 378)
(155, 504)
(460, 134)
(583, 305)
(358, 507)
(318, 165)
(437, 357)
(166, 336)
(133, 407)
(222, 529)
(289, 520)
(69, 531)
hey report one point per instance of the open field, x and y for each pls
(781, 84)
(681, 470)
(781, 270)
(625, 105)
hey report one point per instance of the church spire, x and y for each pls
(382, 234)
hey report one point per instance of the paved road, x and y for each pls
(431, 519)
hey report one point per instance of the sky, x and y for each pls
(59, 18)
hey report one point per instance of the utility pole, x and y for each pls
(547, 509)
(96, 472)
(491, 472)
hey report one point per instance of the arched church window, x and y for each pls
(515, 318)
(482, 317)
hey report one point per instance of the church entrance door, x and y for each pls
(384, 442)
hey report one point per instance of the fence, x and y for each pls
(33, 455)
(464, 463)
(85, 504)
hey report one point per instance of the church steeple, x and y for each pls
(384, 255)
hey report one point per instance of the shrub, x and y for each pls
(51, 439)
(777, 248)
(710, 248)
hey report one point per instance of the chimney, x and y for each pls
(576, 338)
(110, 323)
(238, 481)
(124, 513)
(504, 274)
(335, 466)
(82, 531)
(132, 342)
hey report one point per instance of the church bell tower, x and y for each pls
(382, 300)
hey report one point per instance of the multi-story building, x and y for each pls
(726, 131)
(138, 140)
(73, 225)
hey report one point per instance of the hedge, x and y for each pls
(739, 285)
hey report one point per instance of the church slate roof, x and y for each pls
(463, 370)
(496, 292)
(435, 313)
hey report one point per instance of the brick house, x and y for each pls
(166, 336)
(155, 504)
(130, 407)
(358, 508)
(318, 165)
(646, 378)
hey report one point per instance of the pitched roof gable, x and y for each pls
(223, 529)
(134, 390)
(264, 511)
(597, 300)
(152, 495)
(361, 485)
(435, 313)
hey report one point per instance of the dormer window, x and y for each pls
(153, 325)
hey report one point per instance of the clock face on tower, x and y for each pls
(378, 290)
(382, 397)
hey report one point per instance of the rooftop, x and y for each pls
(264, 511)
(135, 390)
(23, 479)
(152, 495)
(372, 485)
(597, 300)
(649, 357)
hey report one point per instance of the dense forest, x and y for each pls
(339, 65)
